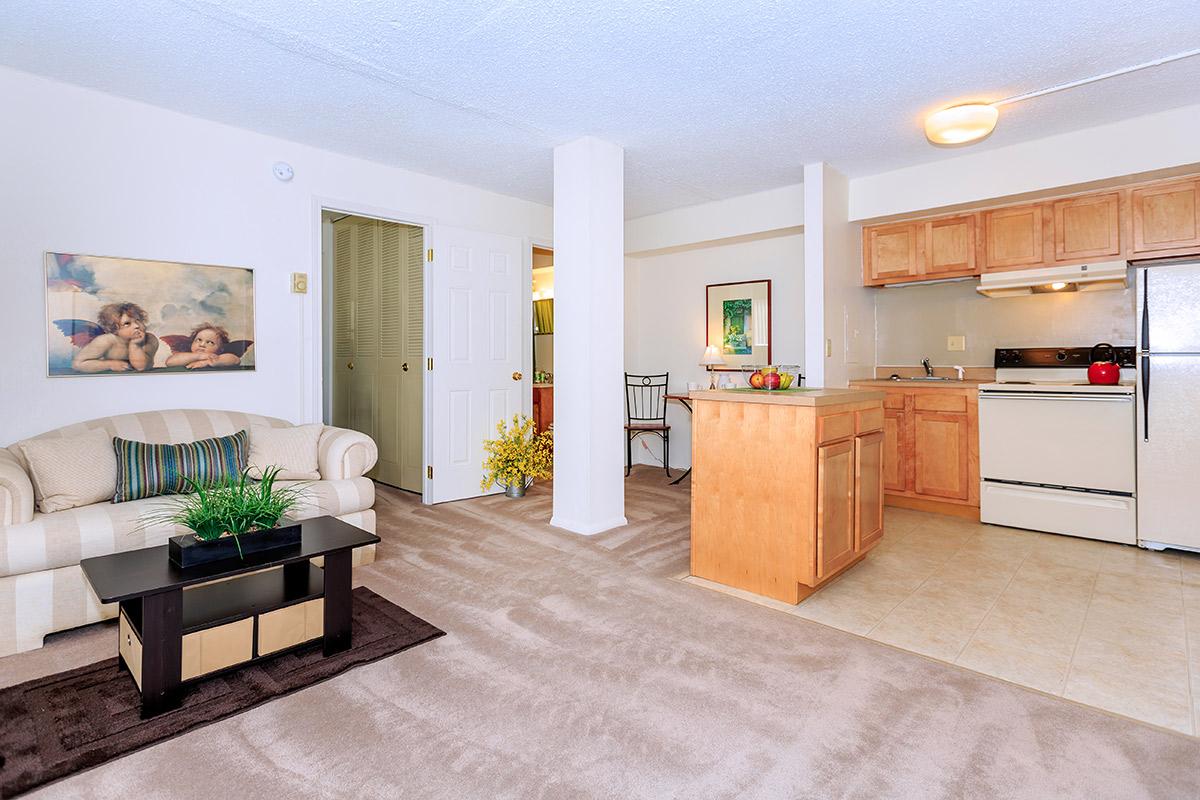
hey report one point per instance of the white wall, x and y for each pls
(665, 315)
(1143, 144)
(86, 172)
(840, 312)
(913, 322)
(747, 215)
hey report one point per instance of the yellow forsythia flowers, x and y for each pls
(519, 454)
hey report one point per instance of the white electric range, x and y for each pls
(1056, 453)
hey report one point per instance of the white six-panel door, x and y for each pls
(476, 338)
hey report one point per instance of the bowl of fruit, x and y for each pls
(770, 379)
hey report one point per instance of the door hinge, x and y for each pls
(429, 365)
(429, 473)
(429, 254)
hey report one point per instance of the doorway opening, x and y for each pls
(373, 285)
(543, 338)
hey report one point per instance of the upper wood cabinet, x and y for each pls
(893, 252)
(950, 246)
(940, 248)
(1149, 220)
(1015, 238)
(1166, 217)
(1087, 227)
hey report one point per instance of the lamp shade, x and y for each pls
(711, 357)
(960, 124)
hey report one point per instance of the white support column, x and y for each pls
(589, 351)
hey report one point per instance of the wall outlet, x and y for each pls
(300, 282)
(956, 344)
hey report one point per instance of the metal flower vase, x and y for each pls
(517, 489)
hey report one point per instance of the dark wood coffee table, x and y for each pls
(231, 613)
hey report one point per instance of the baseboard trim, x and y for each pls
(932, 506)
(587, 529)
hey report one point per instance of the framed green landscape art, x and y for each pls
(738, 322)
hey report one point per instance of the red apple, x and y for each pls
(756, 379)
(772, 380)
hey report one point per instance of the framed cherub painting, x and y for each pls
(124, 316)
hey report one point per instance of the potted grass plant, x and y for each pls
(230, 517)
(517, 456)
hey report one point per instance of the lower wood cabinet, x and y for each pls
(940, 452)
(896, 453)
(930, 447)
(835, 507)
(781, 521)
(868, 490)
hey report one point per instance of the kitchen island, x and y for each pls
(786, 486)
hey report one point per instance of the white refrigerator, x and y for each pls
(1168, 398)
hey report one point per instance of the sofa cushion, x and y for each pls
(147, 470)
(71, 472)
(292, 450)
(64, 537)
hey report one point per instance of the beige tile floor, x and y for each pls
(1106, 625)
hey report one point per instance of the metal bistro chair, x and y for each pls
(646, 412)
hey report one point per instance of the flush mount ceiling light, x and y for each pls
(970, 122)
(961, 124)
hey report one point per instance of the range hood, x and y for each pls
(1052, 280)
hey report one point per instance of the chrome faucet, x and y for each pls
(928, 369)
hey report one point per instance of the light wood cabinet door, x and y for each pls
(868, 490)
(895, 451)
(950, 246)
(835, 507)
(941, 454)
(1166, 217)
(1015, 237)
(894, 252)
(1087, 227)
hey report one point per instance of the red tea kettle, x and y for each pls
(1103, 370)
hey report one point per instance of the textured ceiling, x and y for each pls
(710, 99)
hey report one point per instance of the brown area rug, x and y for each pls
(64, 723)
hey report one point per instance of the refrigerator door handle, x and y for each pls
(1145, 311)
(1145, 397)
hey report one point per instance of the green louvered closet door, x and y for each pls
(379, 343)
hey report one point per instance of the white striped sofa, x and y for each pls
(42, 588)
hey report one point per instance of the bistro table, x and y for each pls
(684, 401)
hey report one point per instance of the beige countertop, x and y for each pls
(968, 384)
(543, 386)
(790, 397)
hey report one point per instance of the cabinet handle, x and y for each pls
(349, 365)
(404, 366)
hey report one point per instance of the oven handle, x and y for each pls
(1093, 398)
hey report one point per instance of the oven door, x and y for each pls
(1075, 440)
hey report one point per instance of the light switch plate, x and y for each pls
(956, 343)
(300, 282)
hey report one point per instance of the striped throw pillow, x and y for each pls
(146, 470)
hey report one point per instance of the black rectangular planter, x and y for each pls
(188, 551)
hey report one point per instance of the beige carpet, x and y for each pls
(577, 667)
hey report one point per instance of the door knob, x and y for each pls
(517, 376)
(349, 365)
(404, 366)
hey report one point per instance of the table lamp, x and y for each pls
(712, 358)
